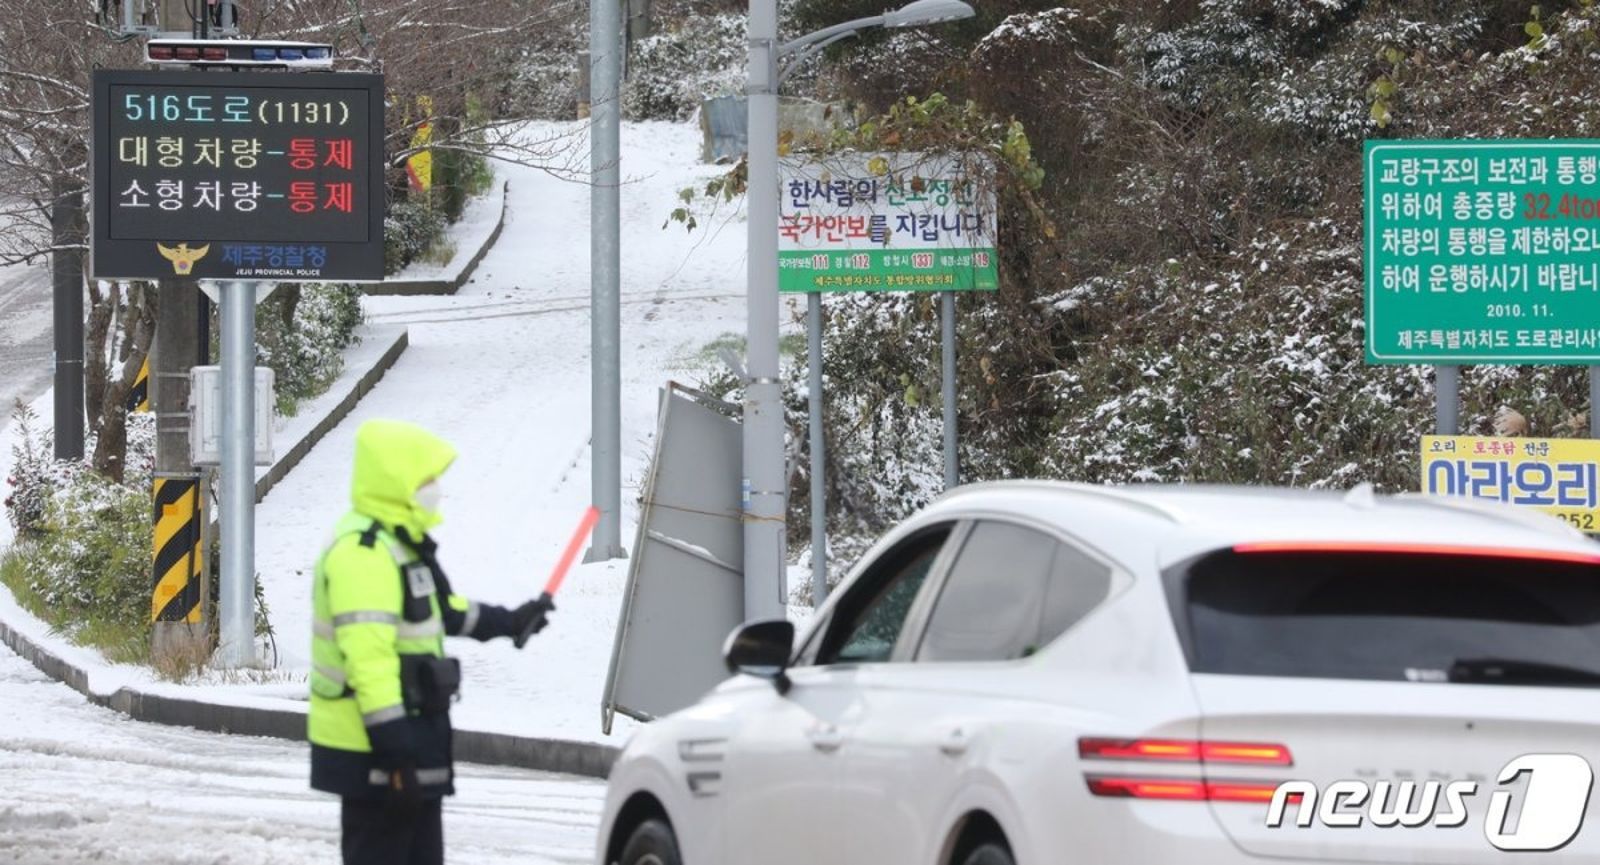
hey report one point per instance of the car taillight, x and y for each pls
(1180, 789)
(1184, 751)
(1245, 752)
(1407, 549)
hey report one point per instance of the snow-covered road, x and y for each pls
(25, 334)
(83, 784)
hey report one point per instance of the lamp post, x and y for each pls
(764, 493)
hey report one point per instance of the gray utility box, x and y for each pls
(205, 415)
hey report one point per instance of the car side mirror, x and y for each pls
(761, 649)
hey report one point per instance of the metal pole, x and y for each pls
(947, 355)
(1447, 393)
(819, 494)
(765, 487)
(237, 613)
(1594, 401)
(605, 268)
(66, 273)
(202, 329)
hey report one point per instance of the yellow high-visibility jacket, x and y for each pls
(380, 595)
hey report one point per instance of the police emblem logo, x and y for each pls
(182, 257)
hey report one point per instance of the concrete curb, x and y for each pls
(413, 287)
(587, 759)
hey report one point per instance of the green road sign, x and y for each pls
(1482, 252)
(890, 222)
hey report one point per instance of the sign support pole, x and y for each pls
(1447, 396)
(66, 272)
(1594, 401)
(605, 251)
(947, 357)
(237, 613)
(819, 493)
(765, 487)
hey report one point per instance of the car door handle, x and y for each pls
(826, 738)
(955, 742)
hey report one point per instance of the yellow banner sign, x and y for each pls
(420, 166)
(1557, 476)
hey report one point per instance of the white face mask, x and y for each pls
(429, 496)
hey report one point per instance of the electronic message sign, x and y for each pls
(270, 176)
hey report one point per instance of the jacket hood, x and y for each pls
(393, 459)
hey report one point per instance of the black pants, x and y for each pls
(372, 835)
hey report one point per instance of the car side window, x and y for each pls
(1078, 584)
(869, 620)
(989, 607)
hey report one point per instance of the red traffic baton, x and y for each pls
(590, 517)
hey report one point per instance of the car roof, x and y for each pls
(1178, 521)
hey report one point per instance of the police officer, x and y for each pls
(381, 686)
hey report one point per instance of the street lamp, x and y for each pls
(916, 14)
(764, 493)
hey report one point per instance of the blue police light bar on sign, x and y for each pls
(240, 53)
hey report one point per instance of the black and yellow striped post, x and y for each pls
(139, 397)
(178, 556)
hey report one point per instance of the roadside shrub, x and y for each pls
(409, 231)
(87, 571)
(33, 476)
(302, 334)
(672, 72)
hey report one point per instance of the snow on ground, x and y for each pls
(25, 334)
(86, 784)
(502, 371)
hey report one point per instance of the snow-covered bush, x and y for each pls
(1339, 93)
(302, 334)
(33, 475)
(1213, 61)
(542, 83)
(86, 571)
(94, 555)
(409, 232)
(671, 72)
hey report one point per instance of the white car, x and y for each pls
(1028, 673)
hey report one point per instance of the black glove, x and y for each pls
(530, 618)
(394, 754)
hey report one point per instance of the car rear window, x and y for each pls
(1388, 616)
